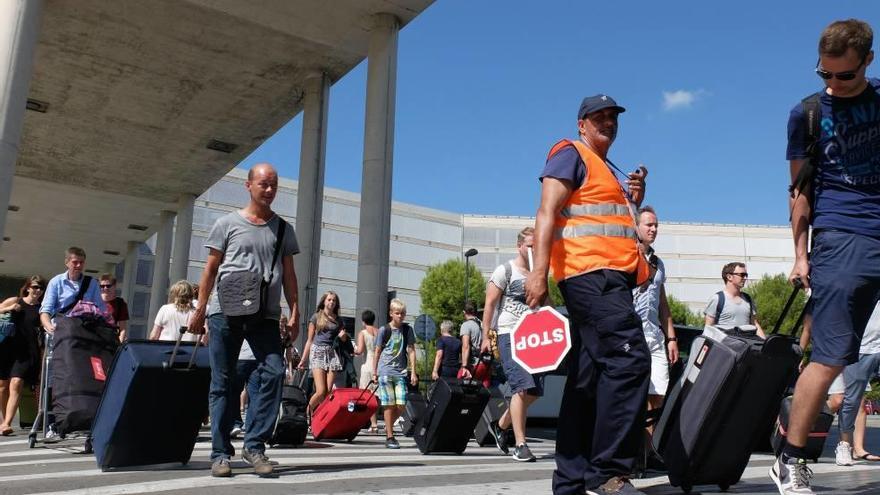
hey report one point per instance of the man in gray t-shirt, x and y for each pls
(737, 308)
(471, 337)
(245, 240)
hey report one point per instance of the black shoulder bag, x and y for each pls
(245, 293)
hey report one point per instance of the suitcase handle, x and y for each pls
(798, 285)
(170, 363)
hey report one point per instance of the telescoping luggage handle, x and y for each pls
(170, 363)
(798, 285)
(352, 405)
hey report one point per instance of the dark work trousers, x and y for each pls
(603, 406)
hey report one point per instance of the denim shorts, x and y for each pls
(845, 282)
(518, 378)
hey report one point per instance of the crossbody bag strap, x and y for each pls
(84, 286)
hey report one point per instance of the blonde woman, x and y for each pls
(175, 314)
(324, 325)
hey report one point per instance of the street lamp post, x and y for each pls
(467, 258)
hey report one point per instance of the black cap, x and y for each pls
(598, 102)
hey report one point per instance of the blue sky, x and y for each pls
(485, 88)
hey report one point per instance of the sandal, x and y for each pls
(374, 430)
(6, 431)
(867, 456)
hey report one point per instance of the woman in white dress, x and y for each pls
(174, 315)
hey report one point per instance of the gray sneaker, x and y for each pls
(617, 485)
(522, 453)
(258, 460)
(221, 468)
(392, 443)
(792, 477)
(52, 436)
(500, 438)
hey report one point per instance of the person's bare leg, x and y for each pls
(320, 379)
(331, 379)
(388, 413)
(858, 440)
(519, 405)
(15, 387)
(810, 392)
(4, 397)
(654, 402)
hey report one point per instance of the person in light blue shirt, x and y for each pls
(64, 287)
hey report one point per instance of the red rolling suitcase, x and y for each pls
(343, 413)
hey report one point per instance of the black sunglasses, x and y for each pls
(35, 287)
(848, 75)
(743, 274)
(106, 286)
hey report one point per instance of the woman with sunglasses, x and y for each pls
(20, 353)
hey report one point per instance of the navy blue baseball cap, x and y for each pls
(598, 102)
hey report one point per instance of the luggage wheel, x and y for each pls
(686, 488)
(32, 440)
(87, 446)
(724, 487)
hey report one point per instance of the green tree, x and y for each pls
(442, 291)
(769, 295)
(682, 315)
(554, 292)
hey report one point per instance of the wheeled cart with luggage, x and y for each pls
(452, 413)
(74, 370)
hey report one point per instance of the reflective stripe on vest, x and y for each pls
(605, 209)
(596, 229)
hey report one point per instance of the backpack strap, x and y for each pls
(83, 287)
(748, 299)
(811, 117)
(720, 306)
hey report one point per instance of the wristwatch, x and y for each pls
(671, 339)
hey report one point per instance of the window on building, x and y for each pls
(479, 236)
(144, 272)
(140, 305)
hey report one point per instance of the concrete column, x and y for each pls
(19, 29)
(375, 221)
(310, 193)
(109, 268)
(182, 237)
(159, 289)
(130, 273)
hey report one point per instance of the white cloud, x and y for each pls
(682, 98)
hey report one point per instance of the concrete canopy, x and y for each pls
(138, 93)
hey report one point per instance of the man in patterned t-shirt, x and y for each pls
(842, 204)
(506, 295)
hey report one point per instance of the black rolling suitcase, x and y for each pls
(452, 413)
(82, 353)
(291, 427)
(152, 383)
(415, 407)
(818, 434)
(495, 408)
(728, 396)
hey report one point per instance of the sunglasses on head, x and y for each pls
(848, 75)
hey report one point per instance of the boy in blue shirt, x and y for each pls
(395, 352)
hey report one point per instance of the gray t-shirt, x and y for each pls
(247, 246)
(512, 305)
(472, 329)
(393, 342)
(733, 314)
(325, 336)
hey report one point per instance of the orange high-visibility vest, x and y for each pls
(595, 230)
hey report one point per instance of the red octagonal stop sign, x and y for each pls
(540, 340)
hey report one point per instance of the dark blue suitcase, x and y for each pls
(153, 404)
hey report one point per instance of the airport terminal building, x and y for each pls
(422, 237)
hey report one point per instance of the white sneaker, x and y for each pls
(52, 436)
(843, 454)
(792, 478)
(236, 432)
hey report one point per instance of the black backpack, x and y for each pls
(807, 173)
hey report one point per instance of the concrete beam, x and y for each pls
(182, 237)
(19, 29)
(310, 193)
(161, 265)
(130, 273)
(375, 222)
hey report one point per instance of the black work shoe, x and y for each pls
(500, 438)
(258, 460)
(522, 453)
(221, 468)
(617, 485)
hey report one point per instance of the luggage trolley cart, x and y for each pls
(73, 371)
